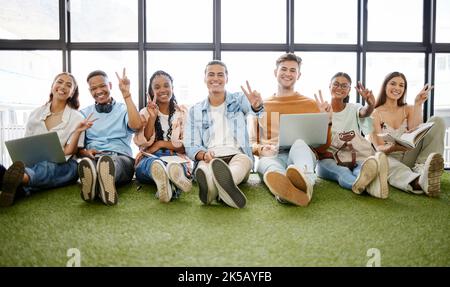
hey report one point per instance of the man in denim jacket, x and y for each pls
(216, 138)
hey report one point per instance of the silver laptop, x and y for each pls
(311, 128)
(34, 149)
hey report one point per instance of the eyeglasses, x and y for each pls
(343, 86)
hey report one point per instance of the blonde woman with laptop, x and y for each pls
(416, 170)
(60, 114)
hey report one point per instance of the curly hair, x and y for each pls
(172, 105)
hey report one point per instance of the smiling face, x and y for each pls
(162, 89)
(216, 79)
(340, 87)
(395, 88)
(100, 89)
(287, 74)
(63, 88)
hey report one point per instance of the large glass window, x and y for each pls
(255, 67)
(26, 76)
(29, 19)
(176, 21)
(84, 62)
(395, 20)
(336, 23)
(412, 65)
(253, 21)
(187, 70)
(443, 21)
(442, 86)
(318, 68)
(104, 21)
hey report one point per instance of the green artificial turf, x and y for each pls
(336, 229)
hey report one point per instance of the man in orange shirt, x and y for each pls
(289, 174)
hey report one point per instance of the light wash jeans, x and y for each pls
(329, 169)
(299, 155)
(143, 174)
(46, 175)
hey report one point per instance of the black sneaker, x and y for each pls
(12, 178)
(106, 180)
(229, 192)
(88, 178)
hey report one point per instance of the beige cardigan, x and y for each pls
(178, 121)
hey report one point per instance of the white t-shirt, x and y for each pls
(70, 120)
(164, 120)
(222, 142)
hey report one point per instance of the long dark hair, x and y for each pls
(73, 101)
(345, 75)
(381, 99)
(172, 105)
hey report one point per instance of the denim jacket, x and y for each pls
(199, 126)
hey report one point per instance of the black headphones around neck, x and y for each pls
(105, 108)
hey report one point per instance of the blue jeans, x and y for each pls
(329, 169)
(300, 155)
(46, 175)
(143, 174)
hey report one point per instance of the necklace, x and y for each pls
(55, 114)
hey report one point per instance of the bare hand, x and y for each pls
(253, 97)
(152, 108)
(366, 94)
(124, 84)
(323, 106)
(90, 153)
(423, 95)
(86, 123)
(209, 156)
(268, 150)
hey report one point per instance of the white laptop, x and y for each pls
(311, 128)
(34, 149)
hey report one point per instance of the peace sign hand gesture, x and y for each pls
(366, 94)
(253, 97)
(423, 95)
(323, 106)
(124, 84)
(152, 108)
(86, 123)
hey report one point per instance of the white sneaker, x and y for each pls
(106, 180)
(207, 191)
(160, 177)
(430, 177)
(177, 176)
(88, 179)
(379, 187)
(229, 192)
(367, 174)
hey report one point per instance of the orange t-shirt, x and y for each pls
(265, 130)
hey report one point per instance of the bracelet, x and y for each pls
(129, 95)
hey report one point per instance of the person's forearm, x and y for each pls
(366, 111)
(149, 129)
(134, 120)
(72, 147)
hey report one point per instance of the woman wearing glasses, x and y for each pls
(416, 170)
(351, 159)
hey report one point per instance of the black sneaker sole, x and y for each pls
(202, 186)
(88, 195)
(224, 179)
(107, 189)
(12, 178)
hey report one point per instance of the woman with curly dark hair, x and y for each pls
(162, 136)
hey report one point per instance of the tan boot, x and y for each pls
(280, 186)
(299, 180)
